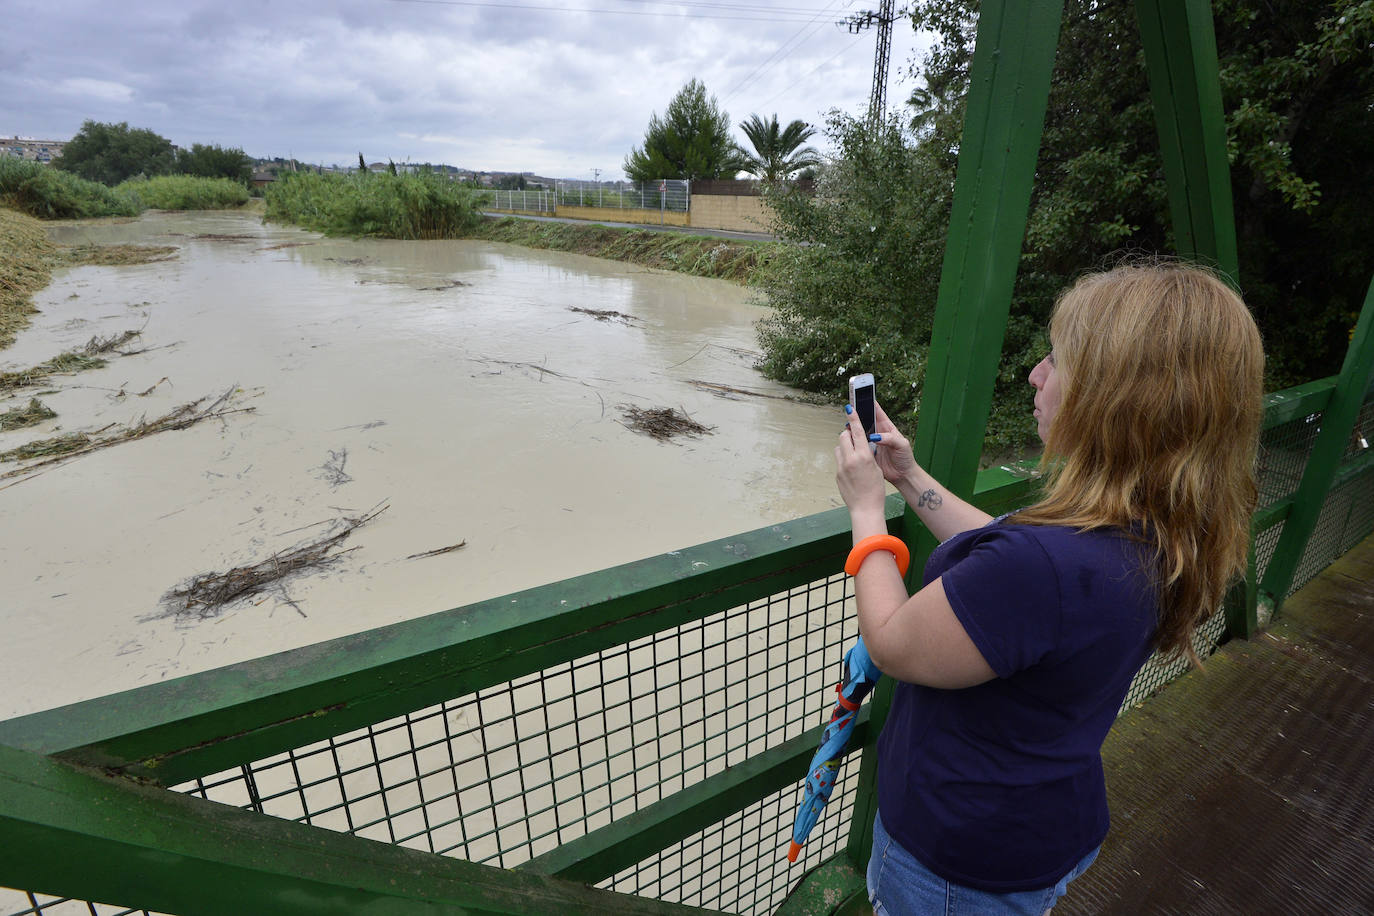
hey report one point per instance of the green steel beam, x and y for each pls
(204, 723)
(81, 834)
(1337, 423)
(1009, 87)
(629, 839)
(1185, 87)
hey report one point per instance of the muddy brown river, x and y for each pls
(450, 381)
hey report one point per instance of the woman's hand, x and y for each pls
(859, 478)
(894, 451)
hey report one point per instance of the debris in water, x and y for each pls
(605, 315)
(113, 255)
(663, 423)
(449, 284)
(528, 366)
(98, 345)
(332, 471)
(729, 391)
(64, 447)
(285, 245)
(208, 594)
(91, 356)
(19, 417)
(216, 237)
(436, 552)
(52, 449)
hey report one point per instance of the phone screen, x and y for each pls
(863, 405)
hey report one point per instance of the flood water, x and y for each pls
(449, 381)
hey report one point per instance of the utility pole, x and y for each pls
(883, 18)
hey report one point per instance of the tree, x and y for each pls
(216, 162)
(1296, 89)
(691, 141)
(110, 153)
(778, 153)
(856, 289)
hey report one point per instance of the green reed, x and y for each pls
(424, 205)
(183, 192)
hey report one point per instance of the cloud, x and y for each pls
(557, 93)
(96, 90)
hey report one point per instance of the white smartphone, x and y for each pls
(861, 399)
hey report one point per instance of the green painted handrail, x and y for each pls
(82, 834)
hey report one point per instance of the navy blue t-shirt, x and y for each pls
(999, 786)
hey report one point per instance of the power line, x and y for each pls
(807, 76)
(777, 14)
(782, 50)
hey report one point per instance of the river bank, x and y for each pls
(697, 255)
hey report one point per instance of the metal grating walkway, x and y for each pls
(1249, 788)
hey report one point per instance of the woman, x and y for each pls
(1014, 657)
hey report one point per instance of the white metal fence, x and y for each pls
(670, 194)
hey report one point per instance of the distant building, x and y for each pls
(29, 148)
(263, 179)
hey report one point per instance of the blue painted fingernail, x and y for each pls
(874, 437)
(849, 408)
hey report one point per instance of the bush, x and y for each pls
(47, 193)
(406, 206)
(183, 192)
(855, 288)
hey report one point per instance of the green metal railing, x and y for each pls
(644, 729)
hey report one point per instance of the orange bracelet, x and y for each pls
(892, 545)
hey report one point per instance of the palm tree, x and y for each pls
(777, 152)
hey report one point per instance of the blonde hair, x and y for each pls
(1161, 374)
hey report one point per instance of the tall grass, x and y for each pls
(183, 192)
(48, 193)
(407, 206)
(699, 255)
(25, 267)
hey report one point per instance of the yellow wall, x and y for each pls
(618, 215)
(720, 211)
(504, 212)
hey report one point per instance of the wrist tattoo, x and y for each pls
(929, 499)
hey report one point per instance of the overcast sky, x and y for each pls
(559, 89)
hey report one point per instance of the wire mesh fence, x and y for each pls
(513, 771)
(670, 194)
(527, 201)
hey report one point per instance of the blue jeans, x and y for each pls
(899, 885)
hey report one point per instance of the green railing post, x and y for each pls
(1185, 88)
(1337, 423)
(1009, 87)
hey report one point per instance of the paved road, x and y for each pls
(688, 230)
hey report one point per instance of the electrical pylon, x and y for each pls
(883, 18)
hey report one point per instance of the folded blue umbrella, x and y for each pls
(859, 678)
